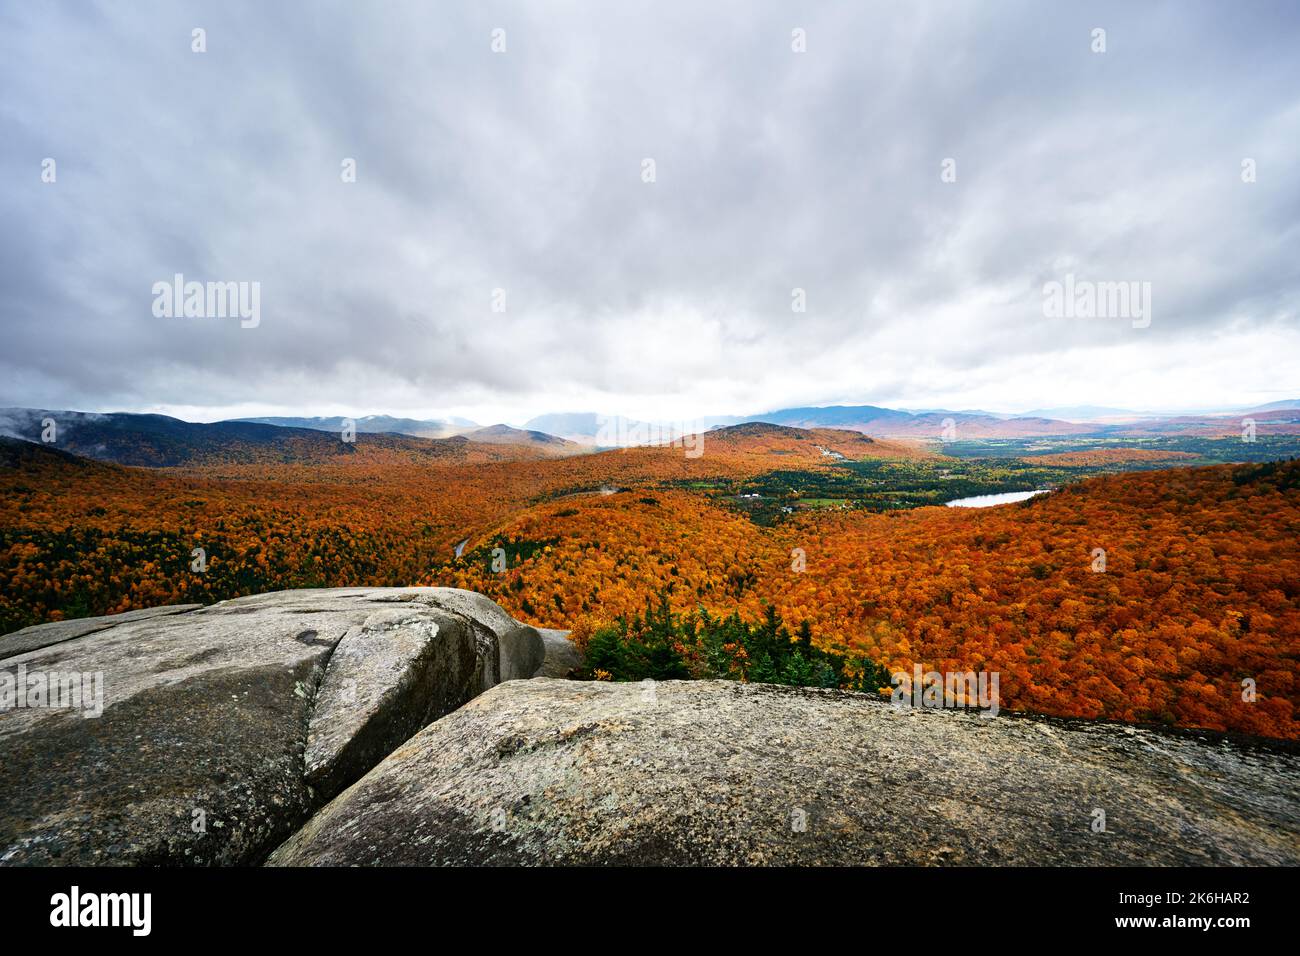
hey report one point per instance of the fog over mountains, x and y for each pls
(420, 428)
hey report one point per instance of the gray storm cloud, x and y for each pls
(522, 170)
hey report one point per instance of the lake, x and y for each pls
(985, 501)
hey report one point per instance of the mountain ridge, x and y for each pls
(97, 434)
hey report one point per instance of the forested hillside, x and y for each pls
(1146, 596)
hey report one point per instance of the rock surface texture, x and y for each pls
(224, 727)
(559, 772)
(562, 658)
(370, 726)
(43, 635)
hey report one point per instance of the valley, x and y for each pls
(1199, 592)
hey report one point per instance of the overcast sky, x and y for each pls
(523, 170)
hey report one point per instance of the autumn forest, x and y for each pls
(1146, 587)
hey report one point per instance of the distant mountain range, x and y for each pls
(162, 441)
(417, 428)
(505, 435)
(1283, 417)
(591, 428)
(1080, 413)
(892, 423)
(159, 441)
(430, 428)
